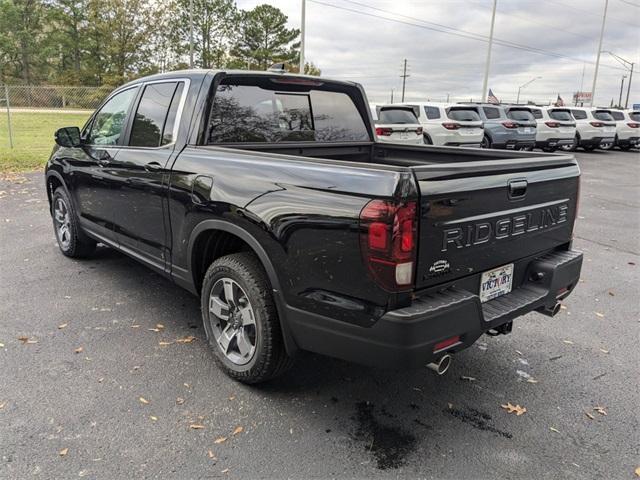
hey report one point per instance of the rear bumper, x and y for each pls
(406, 338)
(463, 144)
(516, 144)
(554, 142)
(628, 142)
(595, 141)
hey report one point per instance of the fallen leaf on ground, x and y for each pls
(153, 329)
(62, 325)
(600, 410)
(589, 415)
(26, 340)
(79, 350)
(188, 339)
(563, 307)
(220, 440)
(612, 294)
(63, 452)
(101, 379)
(450, 405)
(237, 430)
(144, 400)
(599, 315)
(1, 345)
(631, 263)
(532, 380)
(232, 397)
(164, 344)
(2, 405)
(469, 379)
(226, 470)
(196, 426)
(637, 471)
(554, 429)
(210, 454)
(518, 352)
(604, 350)
(153, 418)
(568, 342)
(179, 401)
(517, 409)
(135, 326)
(159, 326)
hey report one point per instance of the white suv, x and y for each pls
(449, 124)
(556, 128)
(396, 124)
(595, 128)
(627, 128)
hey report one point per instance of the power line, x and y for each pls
(454, 31)
(573, 9)
(631, 3)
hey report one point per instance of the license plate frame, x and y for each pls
(502, 280)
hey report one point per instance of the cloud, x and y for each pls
(352, 42)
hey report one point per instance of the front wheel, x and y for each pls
(486, 142)
(71, 240)
(241, 321)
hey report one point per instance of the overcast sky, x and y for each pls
(353, 42)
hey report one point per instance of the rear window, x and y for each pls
(491, 112)
(520, 115)
(276, 112)
(536, 113)
(562, 115)
(617, 115)
(432, 113)
(635, 116)
(396, 115)
(463, 115)
(602, 115)
(579, 114)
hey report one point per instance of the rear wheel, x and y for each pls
(241, 321)
(573, 146)
(427, 139)
(549, 149)
(486, 142)
(625, 148)
(71, 240)
(589, 148)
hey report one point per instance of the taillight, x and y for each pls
(383, 132)
(388, 242)
(552, 124)
(509, 125)
(419, 131)
(596, 124)
(451, 125)
(633, 125)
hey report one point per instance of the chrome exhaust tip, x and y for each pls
(552, 311)
(442, 365)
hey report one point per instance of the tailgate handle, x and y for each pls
(517, 188)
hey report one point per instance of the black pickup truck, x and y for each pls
(267, 195)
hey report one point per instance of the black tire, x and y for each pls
(71, 239)
(549, 149)
(427, 139)
(574, 146)
(625, 148)
(589, 148)
(269, 358)
(486, 142)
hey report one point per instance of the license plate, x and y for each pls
(404, 135)
(528, 130)
(496, 282)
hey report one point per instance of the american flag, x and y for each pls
(559, 101)
(492, 98)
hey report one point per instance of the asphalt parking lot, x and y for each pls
(100, 376)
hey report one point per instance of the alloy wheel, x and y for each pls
(62, 221)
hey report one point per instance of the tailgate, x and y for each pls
(478, 215)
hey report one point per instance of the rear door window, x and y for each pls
(491, 112)
(152, 124)
(617, 115)
(397, 115)
(536, 113)
(463, 114)
(602, 115)
(520, 115)
(561, 115)
(635, 116)
(252, 113)
(432, 113)
(579, 114)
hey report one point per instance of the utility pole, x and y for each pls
(190, 33)
(392, 95)
(522, 86)
(621, 88)
(485, 82)
(404, 77)
(595, 73)
(626, 102)
(302, 22)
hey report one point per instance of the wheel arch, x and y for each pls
(54, 180)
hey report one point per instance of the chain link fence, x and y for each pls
(53, 97)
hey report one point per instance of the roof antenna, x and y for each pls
(277, 68)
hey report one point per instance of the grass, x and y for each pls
(32, 137)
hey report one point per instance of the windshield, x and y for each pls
(463, 115)
(603, 115)
(261, 110)
(562, 115)
(520, 115)
(396, 115)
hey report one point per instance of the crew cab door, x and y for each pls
(141, 174)
(90, 164)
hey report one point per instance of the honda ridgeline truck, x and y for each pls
(267, 195)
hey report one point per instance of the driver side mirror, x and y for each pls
(68, 137)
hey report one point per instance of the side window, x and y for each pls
(617, 115)
(109, 122)
(579, 114)
(156, 114)
(536, 113)
(432, 113)
(491, 112)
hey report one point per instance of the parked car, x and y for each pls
(627, 129)
(270, 197)
(396, 124)
(450, 125)
(595, 128)
(556, 128)
(502, 132)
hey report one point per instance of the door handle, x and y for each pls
(153, 167)
(517, 188)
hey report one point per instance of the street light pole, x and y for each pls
(626, 102)
(190, 33)
(302, 25)
(522, 86)
(621, 88)
(595, 73)
(626, 64)
(485, 82)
